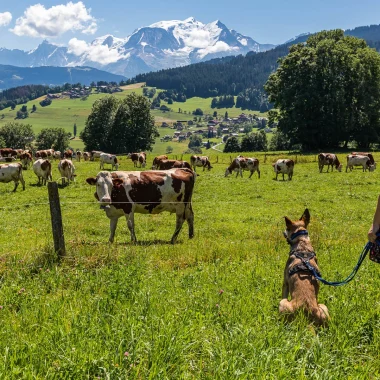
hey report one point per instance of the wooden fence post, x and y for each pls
(56, 219)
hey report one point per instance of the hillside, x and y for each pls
(13, 76)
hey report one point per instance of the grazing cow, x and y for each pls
(68, 154)
(26, 160)
(284, 166)
(7, 159)
(243, 163)
(42, 169)
(369, 155)
(86, 156)
(111, 159)
(57, 155)
(95, 154)
(329, 159)
(19, 152)
(170, 164)
(157, 160)
(138, 158)
(78, 155)
(66, 169)
(44, 153)
(200, 161)
(8, 152)
(149, 192)
(12, 172)
(362, 161)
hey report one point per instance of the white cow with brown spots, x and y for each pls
(111, 159)
(42, 169)
(146, 192)
(284, 166)
(12, 172)
(357, 160)
(201, 161)
(66, 169)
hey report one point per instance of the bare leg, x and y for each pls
(131, 225)
(178, 225)
(113, 225)
(190, 220)
(322, 316)
(285, 307)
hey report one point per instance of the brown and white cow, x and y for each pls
(357, 160)
(7, 159)
(66, 169)
(68, 154)
(57, 155)
(111, 159)
(42, 169)
(369, 155)
(46, 153)
(241, 163)
(170, 164)
(284, 166)
(329, 159)
(86, 156)
(26, 160)
(78, 155)
(12, 172)
(19, 152)
(8, 152)
(148, 192)
(202, 161)
(138, 158)
(95, 154)
(157, 160)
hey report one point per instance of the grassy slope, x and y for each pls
(204, 308)
(63, 113)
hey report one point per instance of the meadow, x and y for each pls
(205, 308)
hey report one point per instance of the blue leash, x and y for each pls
(362, 256)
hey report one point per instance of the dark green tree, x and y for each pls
(195, 141)
(56, 138)
(198, 112)
(232, 145)
(34, 108)
(327, 92)
(16, 135)
(279, 141)
(120, 125)
(75, 129)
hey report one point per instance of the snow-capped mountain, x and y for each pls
(162, 45)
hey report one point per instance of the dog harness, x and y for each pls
(305, 266)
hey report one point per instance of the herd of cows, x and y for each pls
(168, 187)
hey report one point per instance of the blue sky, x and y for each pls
(265, 21)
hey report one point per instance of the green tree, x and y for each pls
(226, 115)
(232, 145)
(215, 114)
(279, 141)
(75, 129)
(169, 149)
(195, 141)
(16, 135)
(327, 92)
(198, 112)
(56, 138)
(120, 125)
(34, 108)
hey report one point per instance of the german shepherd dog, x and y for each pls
(299, 281)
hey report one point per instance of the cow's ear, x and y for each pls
(306, 217)
(91, 180)
(117, 182)
(288, 222)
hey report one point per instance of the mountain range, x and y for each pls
(161, 45)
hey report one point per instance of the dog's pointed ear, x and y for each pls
(288, 222)
(306, 217)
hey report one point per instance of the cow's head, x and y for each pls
(339, 167)
(228, 172)
(104, 184)
(371, 168)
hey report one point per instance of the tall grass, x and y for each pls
(205, 308)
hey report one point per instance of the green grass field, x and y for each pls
(205, 308)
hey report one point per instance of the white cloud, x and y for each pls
(5, 18)
(38, 21)
(220, 46)
(197, 38)
(96, 53)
